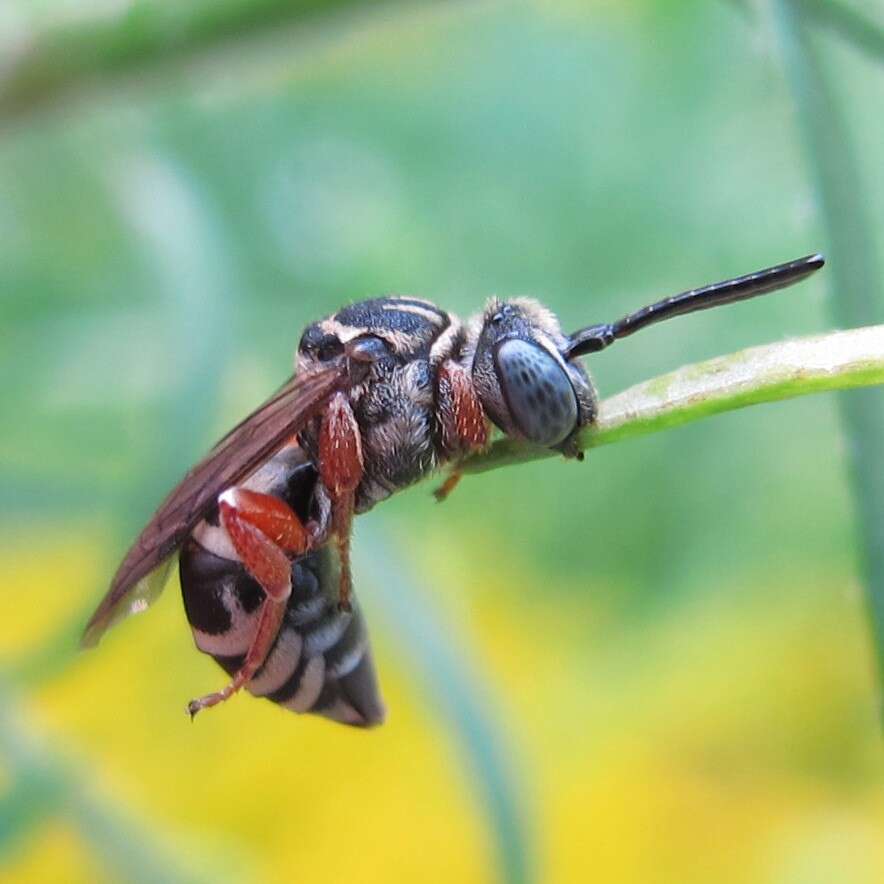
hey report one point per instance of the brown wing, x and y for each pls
(139, 578)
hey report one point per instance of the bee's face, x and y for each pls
(526, 386)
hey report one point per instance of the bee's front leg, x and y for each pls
(262, 530)
(462, 421)
(341, 468)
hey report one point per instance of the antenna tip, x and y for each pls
(815, 261)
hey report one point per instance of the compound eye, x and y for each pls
(537, 390)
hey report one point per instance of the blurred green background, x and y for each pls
(651, 667)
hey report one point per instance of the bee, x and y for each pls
(385, 392)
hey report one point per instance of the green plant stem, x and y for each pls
(834, 361)
(60, 53)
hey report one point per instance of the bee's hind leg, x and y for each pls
(262, 529)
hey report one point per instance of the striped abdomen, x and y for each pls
(321, 661)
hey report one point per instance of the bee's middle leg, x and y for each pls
(262, 529)
(341, 468)
(464, 427)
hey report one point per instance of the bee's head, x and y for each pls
(527, 387)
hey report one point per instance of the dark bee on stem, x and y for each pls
(385, 392)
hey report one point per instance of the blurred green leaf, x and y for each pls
(45, 785)
(50, 52)
(456, 687)
(849, 23)
(856, 281)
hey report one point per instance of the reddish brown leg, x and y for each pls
(341, 469)
(450, 483)
(262, 529)
(463, 422)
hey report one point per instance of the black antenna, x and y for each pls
(596, 337)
